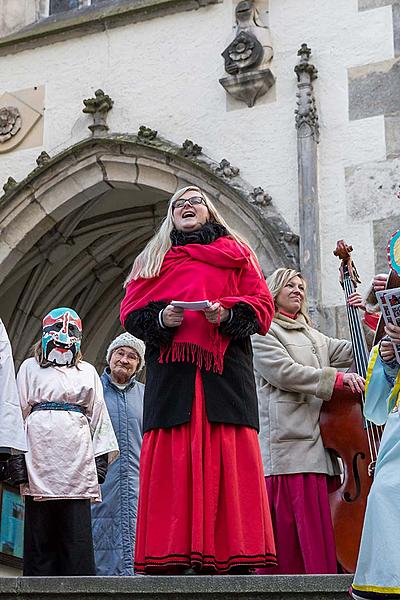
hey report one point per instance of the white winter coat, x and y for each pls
(295, 371)
(62, 445)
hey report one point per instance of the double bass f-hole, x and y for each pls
(356, 476)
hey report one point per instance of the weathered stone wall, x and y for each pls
(15, 14)
(372, 186)
(164, 73)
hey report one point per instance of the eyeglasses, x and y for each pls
(192, 201)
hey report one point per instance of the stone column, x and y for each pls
(307, 156)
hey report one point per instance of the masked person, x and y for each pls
(70, 443)
(12, 434)
(114, 519)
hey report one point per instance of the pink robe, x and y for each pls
(62, 445)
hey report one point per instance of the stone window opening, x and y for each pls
(60, 6)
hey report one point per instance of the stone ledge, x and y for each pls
(307, 587)
(61, 27)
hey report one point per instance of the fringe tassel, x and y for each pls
(187, 352)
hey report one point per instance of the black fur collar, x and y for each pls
(208, 233)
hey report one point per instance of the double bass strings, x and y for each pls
(361, 359)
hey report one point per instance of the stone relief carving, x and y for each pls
(190, 149)
(43, 158)
(306, 111)
(21, 121)
(248, 56)
(9, 185)
(146, 134)
(243, 53)
(10, 122)
(98, 107)
(260, 197)
(225, 169)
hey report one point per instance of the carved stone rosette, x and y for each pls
(248, 56)
(10, 122)
(306, 111)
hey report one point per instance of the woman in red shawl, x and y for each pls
(202, 504)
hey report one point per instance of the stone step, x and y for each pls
(217, 587)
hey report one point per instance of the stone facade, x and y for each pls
(160, 63)
(14, 14)
(372, 186)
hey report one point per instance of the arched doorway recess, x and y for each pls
(71, 229)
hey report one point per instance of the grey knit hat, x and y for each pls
(126, 339)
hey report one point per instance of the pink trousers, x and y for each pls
(302, 524)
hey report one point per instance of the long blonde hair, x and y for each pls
(277, 281)
(148, 263)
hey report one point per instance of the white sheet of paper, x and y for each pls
(198, 305)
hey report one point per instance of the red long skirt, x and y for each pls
(301, 516)
(203, 502)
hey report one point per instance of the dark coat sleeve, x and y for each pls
(144, 324)
(243, 322)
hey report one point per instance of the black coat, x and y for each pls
(230, 397)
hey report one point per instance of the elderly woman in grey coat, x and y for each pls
(114, 519)
(296, 369)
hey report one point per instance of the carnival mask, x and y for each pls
(61, 337)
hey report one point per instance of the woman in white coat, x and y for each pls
(12, 434)
(296, 371)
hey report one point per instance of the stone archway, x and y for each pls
(70, 231)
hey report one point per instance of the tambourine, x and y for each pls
(393, 252)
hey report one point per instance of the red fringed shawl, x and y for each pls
(222, 271)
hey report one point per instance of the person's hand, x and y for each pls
(172, 316)
(386, 350)
(354, 381)
(379, 282)
(393, 332)
(355, 299)
(216, 313)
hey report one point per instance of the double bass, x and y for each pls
(347, 434)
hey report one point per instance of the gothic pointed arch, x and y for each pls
(70, 230)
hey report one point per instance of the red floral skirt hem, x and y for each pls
(203, 502)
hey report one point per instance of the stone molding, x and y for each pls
(95, 165)
(58, 28)
(307, 161)
(52, 238)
